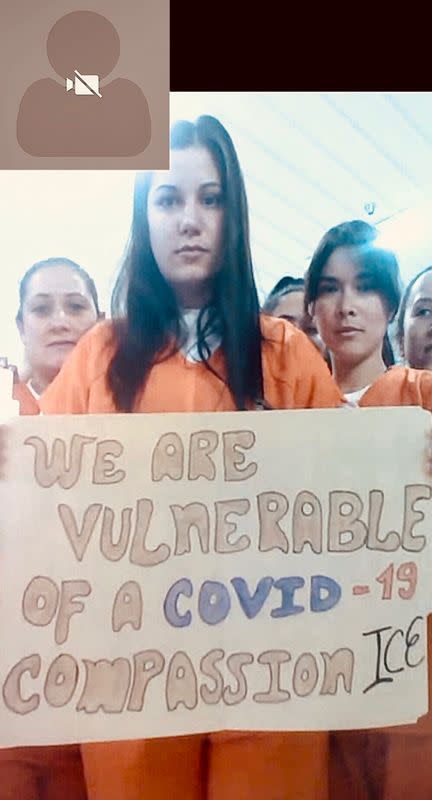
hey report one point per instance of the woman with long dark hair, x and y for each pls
(187, 335)
(353, 290)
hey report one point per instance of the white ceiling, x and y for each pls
(312, 160)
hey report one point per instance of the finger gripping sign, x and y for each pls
(171, 574)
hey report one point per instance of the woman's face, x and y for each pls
(351, 316)
(185, 217)
(57, 310)
(418, 324)
(291, 307)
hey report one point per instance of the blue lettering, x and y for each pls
(288, 586)
(252, 604)
(214, 602)
(319, 584)
(183, 586)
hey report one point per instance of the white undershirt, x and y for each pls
(353, 398)
(33, 391)
(190, 347)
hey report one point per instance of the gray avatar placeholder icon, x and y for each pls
(78, 116)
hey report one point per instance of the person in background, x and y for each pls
(414, 323)
(58, 302)
(187, 335)
(409, 748)
(353, 291)
(286, 301)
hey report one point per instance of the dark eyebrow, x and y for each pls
(165, 186)
(328, 278)
(47, 295)
(173, 187)
(423, 300)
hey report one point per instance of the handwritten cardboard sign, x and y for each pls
(169, 574)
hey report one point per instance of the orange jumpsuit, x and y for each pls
(40, 773)
(27, 401)
(400, 386)
(221, 766)
(389, 763)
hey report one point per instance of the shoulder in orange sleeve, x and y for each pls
(83, 373)
(27, 401)
(400, 386)
(295, 374)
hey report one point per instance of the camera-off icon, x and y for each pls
(83, 84)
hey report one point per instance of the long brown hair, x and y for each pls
(147, 318)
